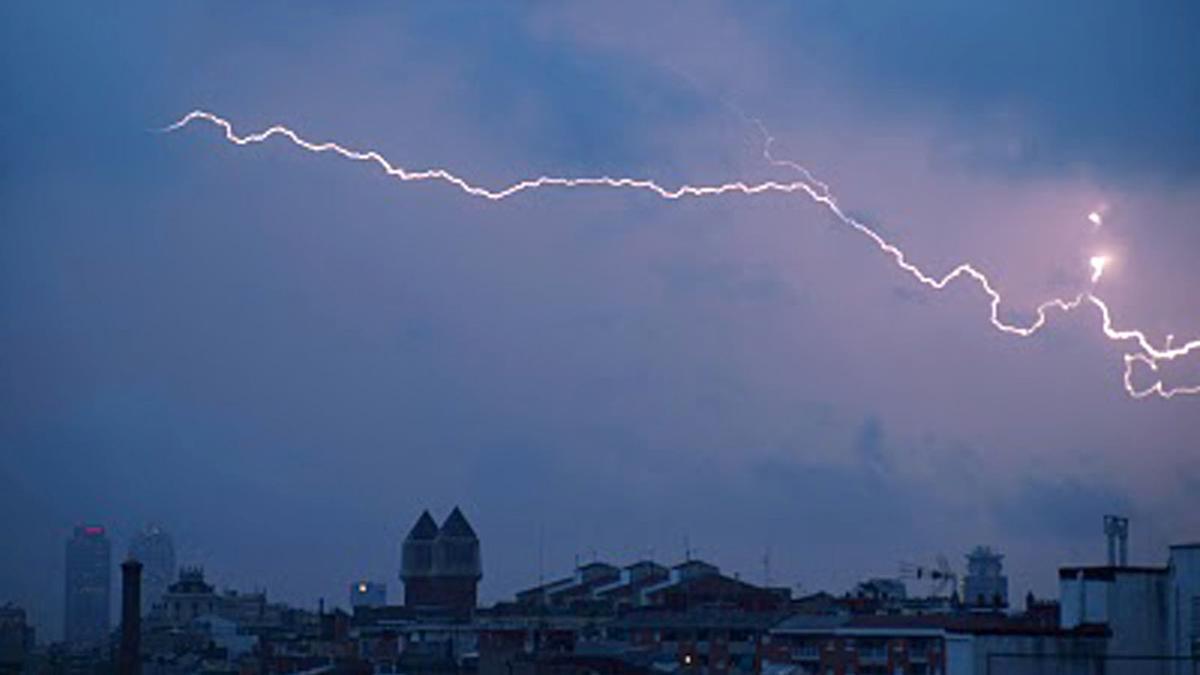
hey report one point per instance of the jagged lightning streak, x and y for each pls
(817, 191)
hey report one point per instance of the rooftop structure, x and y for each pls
(689, 585)
(441, 566)
(985, 585)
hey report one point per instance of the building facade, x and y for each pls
(189, 598)
(943, 644)
(1183, 608)
(87, 619)
(16, 639)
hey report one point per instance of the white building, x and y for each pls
(1183, 607)
(985, 584)
(1153, 613)
(185, 600)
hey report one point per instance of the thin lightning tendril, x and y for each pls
(818, 192)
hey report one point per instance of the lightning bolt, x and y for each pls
(808, 185)
(1098, 263)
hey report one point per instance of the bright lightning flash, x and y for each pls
(1098, 262)
(1147, 354)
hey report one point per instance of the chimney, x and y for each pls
(129, 659)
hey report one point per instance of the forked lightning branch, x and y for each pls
(1142, 351)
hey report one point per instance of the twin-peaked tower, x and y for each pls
(441, 567)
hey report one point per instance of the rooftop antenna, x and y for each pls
(542, 557)
(646, 554)
(687, 549)
(941, 575)
(1116, 529)
(766, 561)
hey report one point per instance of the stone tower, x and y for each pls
(416, 566)
(456, 562)
(441, 566)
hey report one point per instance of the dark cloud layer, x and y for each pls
(1107, 85)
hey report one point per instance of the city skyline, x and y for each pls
(1132, 618)
(919, 578)
(815, 292)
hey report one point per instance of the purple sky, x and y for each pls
(283, 358)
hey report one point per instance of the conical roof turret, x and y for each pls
(425, 529)
(457, 527)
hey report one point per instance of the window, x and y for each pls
(874, 650)
(807, 650)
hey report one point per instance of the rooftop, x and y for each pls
(424, 529)
(456, 526)
(697, 619)
(976, 624)
(1106, 572)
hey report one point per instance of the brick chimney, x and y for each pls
(129, 658)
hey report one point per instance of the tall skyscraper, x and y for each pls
(154, 549)
(89, 582)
